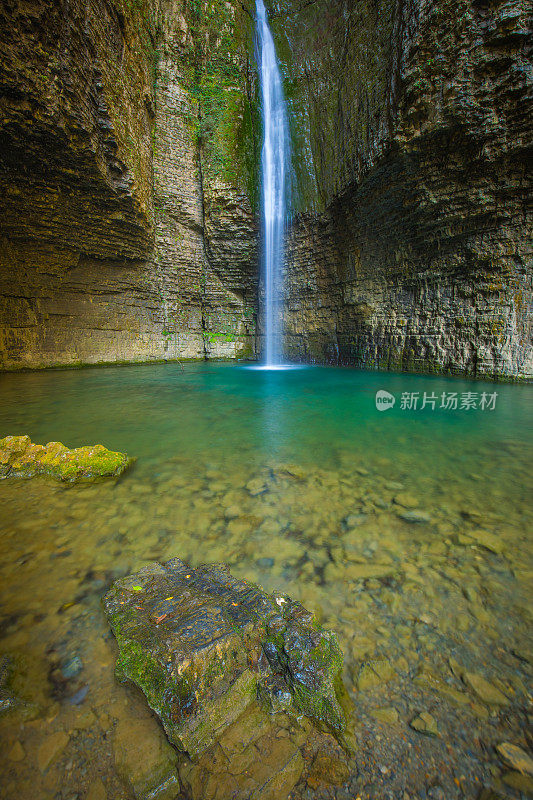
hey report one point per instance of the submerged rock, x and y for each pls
(20, 458)
(231, 671)
(388, 715)
(517, 758)
(414, 516)
(487, 540)
(427, 680)
(522, 783)
(485, 690)
(257, 486)
(327, 768)
(406, 500)
(373, 674)
(144, 759)
(51, 748)
(425, 723)
(17, 752)
(71, 667)
(7, 699)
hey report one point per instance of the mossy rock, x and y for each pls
(20, 458)
(203, 646)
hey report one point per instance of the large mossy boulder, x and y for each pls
(20, 458)
(247, 685)
(204, 647)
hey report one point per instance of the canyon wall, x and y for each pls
(412, 131)
(117, 243)
(205, 148)
(129, 150)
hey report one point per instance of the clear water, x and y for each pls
(274, 170)
(294, 478)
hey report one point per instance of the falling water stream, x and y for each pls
(274, 169)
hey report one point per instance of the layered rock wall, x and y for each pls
(412, 135)
(76, 95)
(129, 145)
(106, 251)
(206, 231)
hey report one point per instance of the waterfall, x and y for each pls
(274, 171)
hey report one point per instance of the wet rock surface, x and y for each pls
(20, 458)
(410, 127)
(229, 670)
(202, 645)
(127, 148)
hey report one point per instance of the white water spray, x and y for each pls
(274, 171)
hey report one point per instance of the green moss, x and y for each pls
(247, 351)
(135, 664)
(322, 705)
(19, 456)
(220, 74)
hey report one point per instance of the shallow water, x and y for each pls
(406, 531)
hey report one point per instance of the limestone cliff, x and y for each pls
(412, 131)
(110, 248)
(129, 149)
(206, 230)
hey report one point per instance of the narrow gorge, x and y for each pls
(130, 140)
(266, 429)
